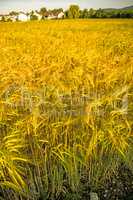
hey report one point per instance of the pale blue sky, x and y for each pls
(8, 5)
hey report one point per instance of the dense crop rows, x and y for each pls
(66, 105)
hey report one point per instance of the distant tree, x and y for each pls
(43, 12)
(9, 20)
(129, 14)
(56, 11)
(13, 13)
(100, 13)
(109, 13)
(92, 13)
(60, 10)
(66, 14)
(28, 14)
(3, 19)
(115, 14)
(74, 12)
(126, 13)
(85, 13)
(33, 16)
(81, 14)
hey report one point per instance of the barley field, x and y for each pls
(66, 106)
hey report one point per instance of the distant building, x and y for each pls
(52, 16)
(56, 16)
(61, 15)
(22, 17)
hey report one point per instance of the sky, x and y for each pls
(27, 5)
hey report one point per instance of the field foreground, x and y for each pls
(66, 109)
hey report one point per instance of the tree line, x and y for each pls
(74, 11)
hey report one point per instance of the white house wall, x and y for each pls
(22, 17)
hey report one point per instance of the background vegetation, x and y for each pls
(66, 106)
(74, 12)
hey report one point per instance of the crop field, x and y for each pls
(66, 106)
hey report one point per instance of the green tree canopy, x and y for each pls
(57, 11)
(74, 11)
(85, 13)
(12, 13)
(3, 19)
(43, 11)
(92, 13)
(33, 16)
